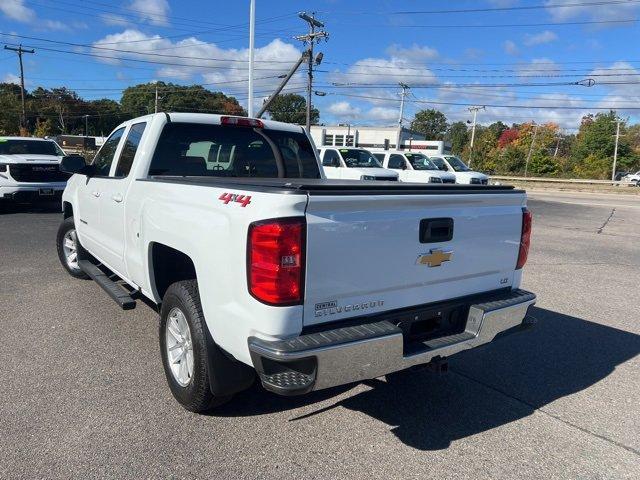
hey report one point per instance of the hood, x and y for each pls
(471, 174)
(374, 172)
(30, 159)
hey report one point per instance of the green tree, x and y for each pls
(140, 100)
(431, 123)
(458, 135)
(10, 108)
(292, 108)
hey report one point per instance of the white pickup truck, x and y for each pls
(261, 267)
(452, 164)
(30, 169)
(413, 167)
(350, 163)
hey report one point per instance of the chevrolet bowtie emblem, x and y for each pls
(434, 258)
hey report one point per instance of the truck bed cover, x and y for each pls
(318, 186)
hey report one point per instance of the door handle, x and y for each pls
(95, 194)
(117, 197)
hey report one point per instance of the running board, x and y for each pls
(122, 298)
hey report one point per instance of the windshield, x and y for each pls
(195, 149)
(355, 158)
(457, 164)
(420, 162)
(29, 147)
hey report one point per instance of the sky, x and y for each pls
(524, 60)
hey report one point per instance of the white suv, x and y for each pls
(452, 164)
(413, 167)
(353, 164)
(30, 169)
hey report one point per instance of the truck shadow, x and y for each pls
(8, 208)
(487, 387)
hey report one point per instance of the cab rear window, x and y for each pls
(192, 149)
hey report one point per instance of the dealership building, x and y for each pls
(375, 137)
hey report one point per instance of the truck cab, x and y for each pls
(463, 174)
(353, 164)
(30, 169)
(413, 167)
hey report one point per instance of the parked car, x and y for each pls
(353, 164)
(452, 164)
(30, 169)
(633, 178)
(261, 267)
(413, 167)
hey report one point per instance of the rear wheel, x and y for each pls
(183, 346)
(69, 248)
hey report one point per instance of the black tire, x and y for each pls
(65, 227)
(195, 396)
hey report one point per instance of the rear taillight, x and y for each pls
(242, 122)
(275, 260)
(525, 238)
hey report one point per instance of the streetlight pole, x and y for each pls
(86, 125)
(252, 31)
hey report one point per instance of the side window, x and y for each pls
(330, 159)
(396, 162)
(380, 157)
(129, 149)
(104, 158)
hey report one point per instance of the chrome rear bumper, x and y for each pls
(369, 350)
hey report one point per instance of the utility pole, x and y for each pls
(86, 125)
(20, 51)
(533, 140)
(555, 153)
(311, 38)
(615, 150)
(252, 31)
(155, 109)
(403, 95)
(474, 110)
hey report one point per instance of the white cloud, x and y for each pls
(343, 110)
(415, 53)
(114, 20)
(17, 10)
(614, 11)
(538, 66)
(510, 47)
(227, 70)
(541, 38)
(381, 114)
(154, 11)
(11, 78)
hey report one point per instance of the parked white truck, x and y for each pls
(30, 169)
(353, 164)
(259, 265)
(413, 167)
(464, 175)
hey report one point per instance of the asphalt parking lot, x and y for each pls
(85, 395)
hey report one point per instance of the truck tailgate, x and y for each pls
(365, 254)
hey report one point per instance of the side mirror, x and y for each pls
(76, 164)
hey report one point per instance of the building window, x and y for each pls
(339, 141)
(328, 140)
(349, 140)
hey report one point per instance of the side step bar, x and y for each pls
(122, 298)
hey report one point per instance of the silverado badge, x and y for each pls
(434, 258)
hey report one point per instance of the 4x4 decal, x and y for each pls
(243, 200)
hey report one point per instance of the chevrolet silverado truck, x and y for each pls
(30, 169)
(261, 267)
(463, 174)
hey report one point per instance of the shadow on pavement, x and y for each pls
(488, 387)
(7, 208)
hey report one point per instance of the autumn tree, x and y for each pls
(292, 108)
